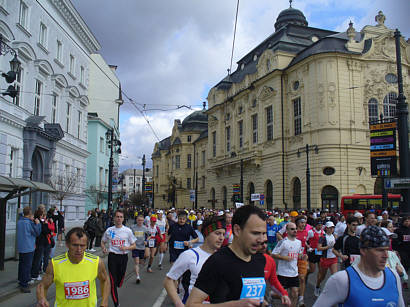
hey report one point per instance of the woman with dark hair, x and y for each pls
(43, 246)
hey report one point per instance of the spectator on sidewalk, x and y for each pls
(28, 229)
(52, 237)
(91, 228)
(43, 246)
(100, 229)
(60, 227)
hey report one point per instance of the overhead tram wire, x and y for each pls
(234, 36)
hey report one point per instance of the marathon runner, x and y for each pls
(189, 263)
(368, 283)
(328, 259)
(163, 227)
(178, 236)
(301, 235)
(140, 232)
(288, 251)
(313, 254)
(272, 228)
(347, 245)
(152, 241)
(74, 274)
(234, 275)
(120, 240)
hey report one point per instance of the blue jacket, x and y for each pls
(27, 231)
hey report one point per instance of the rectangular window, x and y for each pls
(101, 174)
(102, 147)
(72, 64)
(37, 97)
(189, 138)
(23, 18)
(106, 178)
(19, 87)
(68, 115)
(79, 123)
(297, 116)
(59, 51)
(177, 161)
(82, 80)
(157, 170)
(255, 128)
(228, 139)
(214, 144)
(54, 99)
(189, 161)
(240, 132)
(203, 182)
(188, 183)
(203, 157)
(42, 39)
(269, 123)
(13, 162)
(67, 171)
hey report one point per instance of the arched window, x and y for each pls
(373, 110)
(224, 197)
(269, 194)
(251, 190)
(389, 105)
(212, 200)
(297, 191)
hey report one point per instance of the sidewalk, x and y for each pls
(8, 277)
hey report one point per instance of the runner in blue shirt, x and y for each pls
(271, 229)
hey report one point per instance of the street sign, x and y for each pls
(397, 183)
(262, 202)
(192, 195)
(236, 188)
(148, 187)
(383, 158)
(255, 197)
(262, 197)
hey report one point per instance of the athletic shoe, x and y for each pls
(39, 278)
(138, 281)
(92, 250)
(31, 282)
(317, 292)
(149, 270)
(160, 266)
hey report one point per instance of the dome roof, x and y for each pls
(195, 117)
(292, 16)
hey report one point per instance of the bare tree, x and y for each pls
(64, 185)
(95, 195)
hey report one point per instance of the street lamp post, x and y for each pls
(307, 148)
(11, 76)
(115, 146)
(402, 128)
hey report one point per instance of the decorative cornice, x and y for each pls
(11, 120)
(75, 149)
(77, 24)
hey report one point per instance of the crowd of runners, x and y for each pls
(249, 257)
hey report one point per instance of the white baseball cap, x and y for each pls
(160, 211)
(199, 223)
(329, 224)
(389, 233)
(385, 212)
(358, 215)
(286, 215)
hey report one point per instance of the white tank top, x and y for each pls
(161, 225)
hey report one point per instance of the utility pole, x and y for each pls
(143, 178)
(134, 180)
(241, 183)
(402, 128)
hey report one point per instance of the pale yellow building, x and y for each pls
(301, 86)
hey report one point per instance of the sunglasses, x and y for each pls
(292, 229)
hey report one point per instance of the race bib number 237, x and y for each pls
(253, 287)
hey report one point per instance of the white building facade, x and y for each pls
(43, 131)
(132, 180)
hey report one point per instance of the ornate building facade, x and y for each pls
(301, 100)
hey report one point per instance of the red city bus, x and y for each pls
(363, 202)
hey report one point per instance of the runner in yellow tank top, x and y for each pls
(74, 274)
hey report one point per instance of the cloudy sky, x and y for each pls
(169, 53)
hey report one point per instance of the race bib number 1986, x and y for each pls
(77, 290)
(253, 287)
